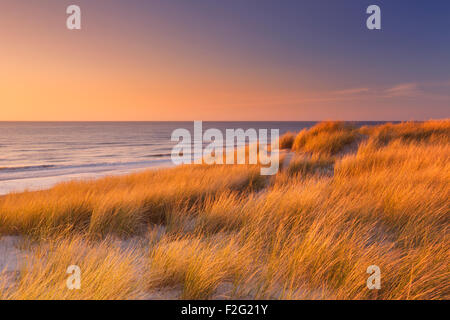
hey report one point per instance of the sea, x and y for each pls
(38, 155)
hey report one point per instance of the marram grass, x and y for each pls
(348, 199)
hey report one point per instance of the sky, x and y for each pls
(237, 60)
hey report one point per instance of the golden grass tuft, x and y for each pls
(429, 131)
(307, 165)
(198, 266)
(287, 140)
(107, 272)
(327, 138)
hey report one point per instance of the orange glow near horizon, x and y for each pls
(112, 71)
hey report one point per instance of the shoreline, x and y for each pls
(46, 182)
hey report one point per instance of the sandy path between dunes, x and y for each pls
(288, 155)
(11, 259)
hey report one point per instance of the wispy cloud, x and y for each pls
(403, 90)
(424, 91)
(351, 91)
(434, 90)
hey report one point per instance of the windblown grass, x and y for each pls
(120, 205)
(287, 140)
(349, 199)
(108, 272)
(307, 165)
(199, 266)
(326, 138)
(429, 131)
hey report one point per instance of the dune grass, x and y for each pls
(108, 273)
(326, 138)
(287, 140)
(310, 165)
(350, 198)
(120, 205)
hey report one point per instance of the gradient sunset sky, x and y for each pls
(224, 60)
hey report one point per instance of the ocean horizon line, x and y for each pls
(189, 121)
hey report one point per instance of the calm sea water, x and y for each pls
(36, 155)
